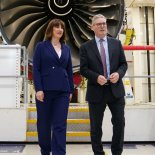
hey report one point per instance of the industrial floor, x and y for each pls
(79, 149)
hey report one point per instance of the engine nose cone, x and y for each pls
(60, 7)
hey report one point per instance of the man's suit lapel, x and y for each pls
(109, 48)
(95, 49)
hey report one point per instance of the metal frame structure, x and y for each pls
(23, 72)
(149, 76)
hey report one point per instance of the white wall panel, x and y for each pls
(10, 57)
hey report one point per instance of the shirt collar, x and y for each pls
(98, 39)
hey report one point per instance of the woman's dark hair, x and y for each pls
(49, 29)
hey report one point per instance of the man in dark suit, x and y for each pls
(103, 63)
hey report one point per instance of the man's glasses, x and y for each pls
(100, 24)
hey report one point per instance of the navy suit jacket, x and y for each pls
(91, 67)
(51, 72)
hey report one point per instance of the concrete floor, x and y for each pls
(85, 149)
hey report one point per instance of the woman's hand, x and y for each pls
(40, 96)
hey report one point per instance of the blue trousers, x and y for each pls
(51, 122)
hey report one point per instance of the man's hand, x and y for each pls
(101, 80)
(114, 77)
(40, 96)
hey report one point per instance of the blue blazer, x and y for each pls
(51, 72)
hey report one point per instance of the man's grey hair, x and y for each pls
(96, 17)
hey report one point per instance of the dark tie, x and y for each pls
(103, 57)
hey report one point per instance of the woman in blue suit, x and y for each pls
(53, 81)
